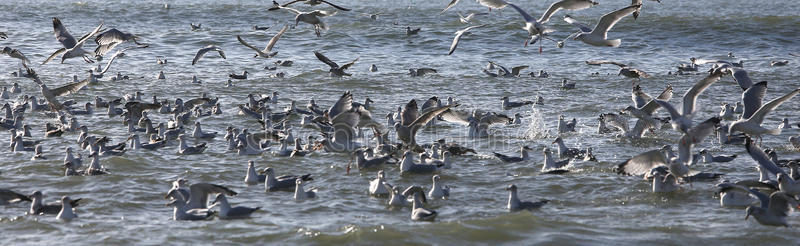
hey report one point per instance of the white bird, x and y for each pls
(598, 36)
(72, 48)
(204, 50)
(457, 38)
(66, 213)
(514, 204)
(312, 17)
(267, 51)
(683, 121)
(377, 187)
(468, 18)
(438, 191)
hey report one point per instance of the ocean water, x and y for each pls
(590, 205)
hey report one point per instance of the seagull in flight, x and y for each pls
(204, 50)
(458, 37)
(72, 48)
(598, 36)
(266, 53)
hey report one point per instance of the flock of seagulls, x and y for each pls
(768, 200)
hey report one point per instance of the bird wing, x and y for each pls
(344, 104)
(322, 13)
(456, 116)
(430, 104)
(673, 113)
(564, 4)
(501, 67)
(424, 118)
(248, 45)
(62, 35)
(69, 88)
(325, 60)
(761, 158)
(525, 15)
(297, 12)
(608, 20)
(652, 106)
(758, 116)
(349, 64)
(221, 52)
(343, 125)
(601, 62)
(120, 53)
(200, 53)
(53, 56)
(580, 25)
(741, 77)
(449, 5)
(779, 203)
(335, 6)
(90, 34)
(515, 70)
(765, 200)
(495, 118)
(110, 36)
(196, 101)
(457, 38)
(642, 163)
(690, 97)
(409, 113)
(455, 42)
(752, 98)
(497, 4)
(275, 38)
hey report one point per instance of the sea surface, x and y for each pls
(591, 205)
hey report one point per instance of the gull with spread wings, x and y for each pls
(336, 70)
(598, 36)
(51, 94)
(266, 52)
(624, 70)
(309, 2)
(72, 48)
(204, 50)
(110, 39)
(536, 29)
(458, 38)
(312, 17)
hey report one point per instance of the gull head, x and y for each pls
(750, 211)
(511, 187)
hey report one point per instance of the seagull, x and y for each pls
(228, 212)
(204, 50)
(514, 204)
(511, 159)
(418, 72)
(15, 53)
(282, 183)
(477, 123)
(38, 206)
(418, 211)
(377, 187)
(598, 36)
(72, 48)
(708, 158)
(774, 208)
(664, 182)
(66, 213)
(180, 212)
(457, 38)
(566, 152)
(312, 17)
(624, 70)
(198, 194)
(788, 185)
(778, 63)
(507, 105)
(410, 31)
(188, 150)
(438, 191)
(266, 52)
(536, 29)
(309, 2)
(551, 165)
(300, 193)
(50, 95)
(752, 125)
(335, 69)
(407, 165)
(196, 27)
(110, 39)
